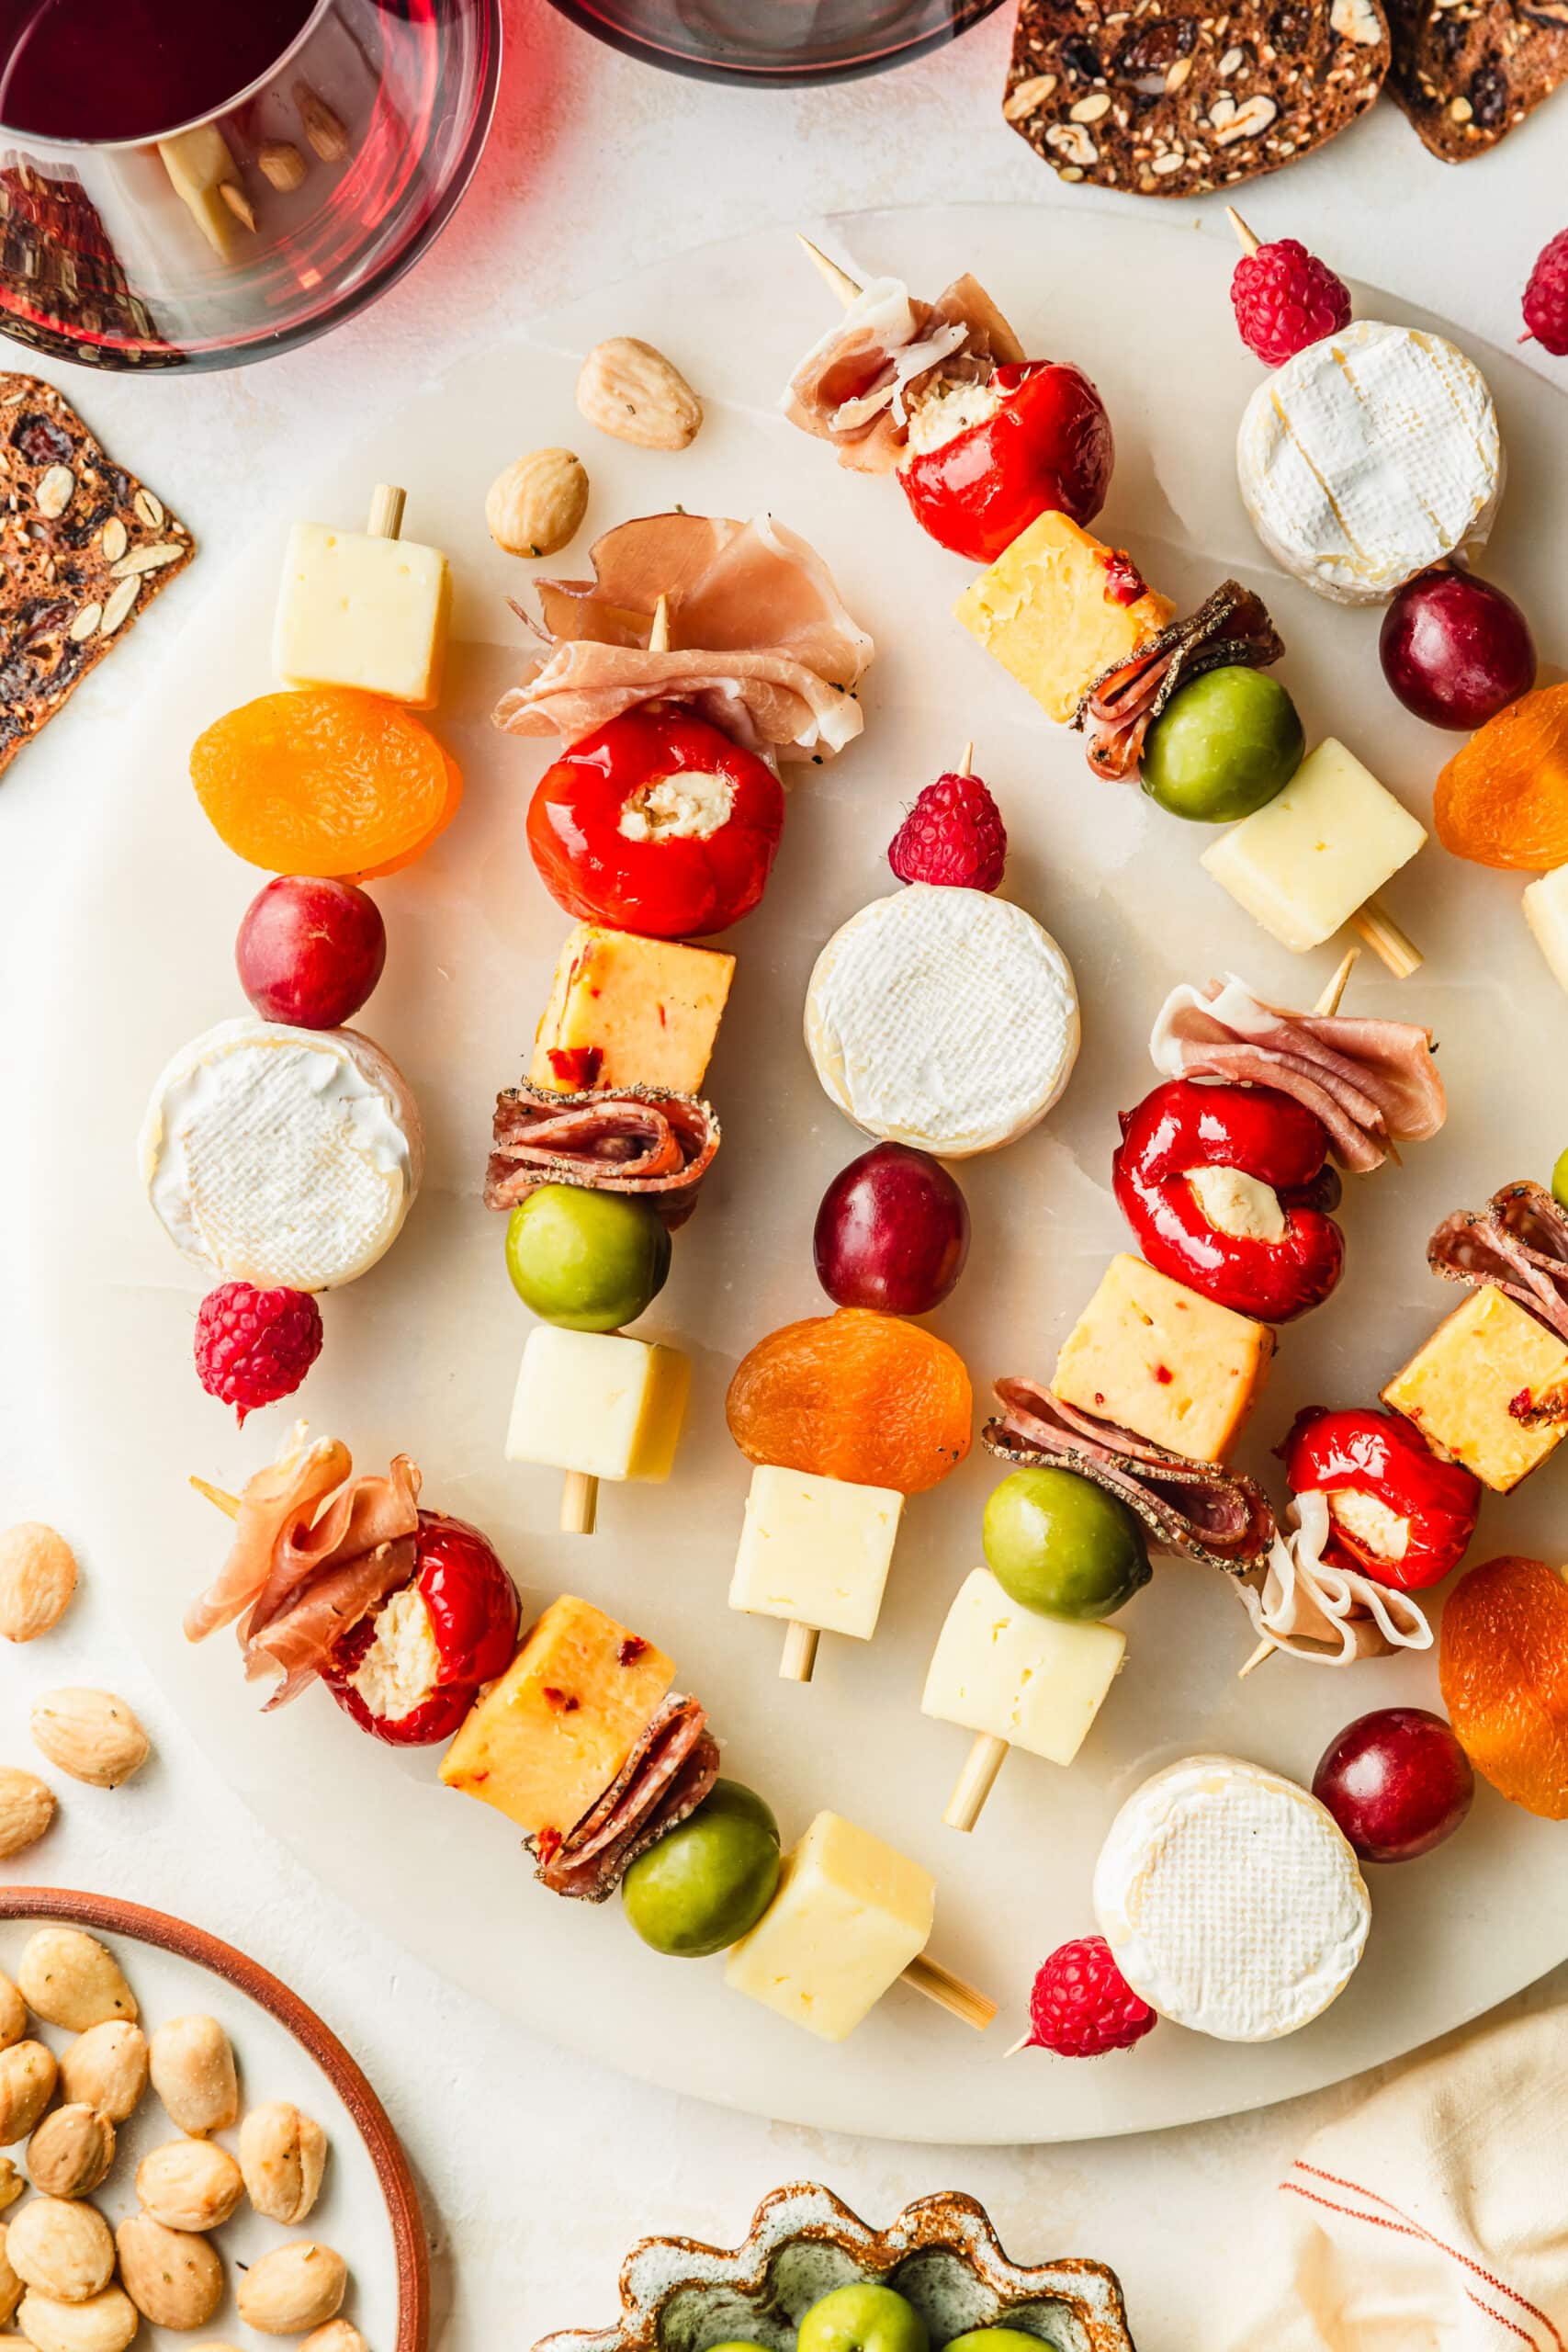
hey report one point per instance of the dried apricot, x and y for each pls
(857, 1396)
(1503, 1666)
(325, 781)
(1503, 798)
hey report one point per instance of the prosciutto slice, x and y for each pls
(288, 1492)
(761, 643)
(1373, 1083)
(669, 1772)
(1199, 1510)
(1328, 1615)
(856, 385)
(633, 1139)
(1519, 1244)
(1231, 627)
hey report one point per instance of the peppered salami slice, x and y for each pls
(1166, 101)
(637, 1139)
(1468, 71)
(669, 1772)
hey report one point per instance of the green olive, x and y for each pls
(708, 1880)
(1223, 746)
(862, 2318)
(590, 1260)
(1560, 1181)
(1059, 1543)
(995, 2339)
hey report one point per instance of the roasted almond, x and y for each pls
(37, 1577)
(69, 1978)
(283, 2153)
(189, 2184)
(62, 2248)
(71, 2151)
(91, 1734)
(193, 2074)
(292, 2290)
(27, 1808)
(107, 2068)
(631, 392)
(28, 2076)
(172, 2277)
(539, 503)
(105, 2323)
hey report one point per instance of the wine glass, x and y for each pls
(776, 41)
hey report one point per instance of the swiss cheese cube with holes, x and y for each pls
(1486, 1389)
(355, 610)
(625, 1010)
(544, 1742)
(850, 1916)
(1057, 608)
(1152, 1356)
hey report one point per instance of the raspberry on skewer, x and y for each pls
(1284, 297)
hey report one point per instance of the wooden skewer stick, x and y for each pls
(966, 764)
(1385, 939)
(798, 1662)
(228, 1503)
(976, 1780)
(842, 284)
(1244, 236)
(951, 1992)
(387, 503)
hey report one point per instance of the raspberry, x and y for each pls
(1546, 298)
(1284, 297)
(954, 834)
(254, 1346)
(1082, 2005)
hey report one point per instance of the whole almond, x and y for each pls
(105, 2324)
(172, 2277)
(27, 2074)
(338, 2336)
(189, 2184)
(293, 2289)
(11, 2183)
(11, 2286)
(69, 1978)
(91, 1734)
(283, 2153)
(13, 2014)
(107, 2068)
(37, 1577)
(71, 2151)
(631, 392)
(539, 503)
(62, 2248)
(27, 1808)
(193, 2072)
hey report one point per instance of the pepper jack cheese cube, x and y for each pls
(1472, 1389)
(850, 1916)
(1053, 611)
(1037, 1682)
(626, 1011)
(599, 1403)
(357, 611)
(1318, 851)
(1546, 911)
(816, 1551)
(544, 1742)
(1152, 1356)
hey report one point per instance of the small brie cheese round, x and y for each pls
(280, 1155)
(1369, 455)
(943, 1018)
(1230, 1899)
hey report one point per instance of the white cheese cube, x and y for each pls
(1037, 1682)
(357, 611)
(1316, 853)
(598, 1403)
(201, 164)
(1546, 911)
(850, 1916)
(816, 1551)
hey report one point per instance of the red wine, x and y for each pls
(130, 69)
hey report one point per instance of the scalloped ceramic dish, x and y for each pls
(677, 2295)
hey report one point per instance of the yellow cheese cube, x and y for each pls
(357, 611)
(544, 1742)
(1546, 911)
(850, 1916)
(626, 1011)
(1467, 1388)
(1048, 612)
(1037, 1682)
(599, 1403)
(201, 164)
(816, 1551)
(1304, 864)
(1152, 1356)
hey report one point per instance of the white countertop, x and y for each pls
(539, 2171)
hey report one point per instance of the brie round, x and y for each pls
(1230, 1900)
(281, 1156)
(1369, 455)
(943, 1018)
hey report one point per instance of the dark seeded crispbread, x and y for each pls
(1468, 71)
(1163, 101)
(85, 548)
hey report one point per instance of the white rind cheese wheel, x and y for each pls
(1231, 1900)
(282, 1157)
(1368, 456)
(943, 1018)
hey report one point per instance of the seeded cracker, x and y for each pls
(85, 546)
(1163, 102)
(1468, 71)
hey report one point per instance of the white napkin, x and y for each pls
(1434, 2218)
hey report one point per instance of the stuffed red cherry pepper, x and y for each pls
(985, 458)
(1396, 1510)
(657, 823)
(1227, 1189)
(409, 1671)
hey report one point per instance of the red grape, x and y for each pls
(1455, 649)
(309, 950)
(892, 1232)
(1397, 1782)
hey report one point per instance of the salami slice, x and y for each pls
(1230, 628)
(1517, 1244)
(634, 1139)
(1199, 1510)
(669, 1772)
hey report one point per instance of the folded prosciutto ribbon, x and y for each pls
(634, 1139)
(857, 384)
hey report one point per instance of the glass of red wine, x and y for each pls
(200, 183)
(776, 41)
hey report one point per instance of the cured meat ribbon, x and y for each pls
(760, 644)
(1198, 1510)
(634, 1139)
(1328, 1615)
(669, 1772)
(1232, 628)
(856, 386)
(1517, 1244)
(315, 1549)
(1373, 1083)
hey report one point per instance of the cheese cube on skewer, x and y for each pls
(816, 1551)
(850, 1916)
(625, 1010)
(355, 610)
(1056, 611)
(1475, 1389)
(1151, 1355)
(599, 1403)
(1546, 911)
(1035, 1682)
(1312, 857)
